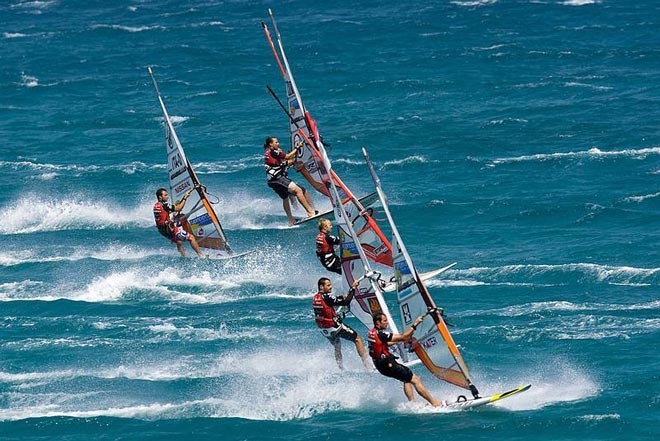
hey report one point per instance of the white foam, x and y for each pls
(7, 377)
(580, 2)
(560, 305)
(274, 384)
(599, 273)
(147, 412)
(168, 331)
(553, 382)
(607, 416)
(111, 252)
(34, 4)
(18, 290)
(131, 29)
(13, 35)
(420, 159)
(591, 153)
(251, 162)
(586, 85)
(641, 198)
(114, 286)
(69, 213)
(347, 161)
(129, 168)
(29, 81)
(507, 120)
(177, 119)
(243, 211)
(472, 3)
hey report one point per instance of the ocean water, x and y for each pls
(518, 138)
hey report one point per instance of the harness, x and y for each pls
(378, 349)
(274, 164)
(162, 218)
(324, 314)
(323, 244)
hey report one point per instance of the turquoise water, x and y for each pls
(518, 138)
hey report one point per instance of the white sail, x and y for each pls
(368, 298)
(434, 344)
(198, 216)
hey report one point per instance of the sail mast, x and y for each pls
(459, 366)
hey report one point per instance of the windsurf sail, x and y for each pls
(368, 298)
(309, 162)
(434, 344)
(198, 216)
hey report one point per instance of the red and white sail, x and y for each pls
(309, 163)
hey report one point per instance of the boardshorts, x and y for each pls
(339, 331)
(391, 368)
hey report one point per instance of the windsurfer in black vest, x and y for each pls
(379, 339)
(276, 162)
(325, 247)
(331, 324)
(169, 227)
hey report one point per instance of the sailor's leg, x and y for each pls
(421, 390)
(195, 245)
(179, 246)
(287, 210)
(298, 192)
(359, 345)
(408, 391)
(336, 342)
(308, 198)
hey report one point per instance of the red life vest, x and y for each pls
(377, 348)
(324, 314)
(161, 215)
(274, 163)
(322, 245)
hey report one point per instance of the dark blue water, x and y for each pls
(518, 138)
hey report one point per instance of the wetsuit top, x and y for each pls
(324, 311)
(275, 163)
(325, 244)
(162, 215)
(378, 339)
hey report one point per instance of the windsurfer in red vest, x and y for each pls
(276, 162)
(325, 247)
(168, 227)
(331, 324)
(379, 339)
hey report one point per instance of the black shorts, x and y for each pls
(391, 368)
(331, 262)
(341, 331)
(281, 186)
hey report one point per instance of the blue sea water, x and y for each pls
(518, 138)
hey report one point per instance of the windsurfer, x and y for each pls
(276, 162)
(331, 324)
(379, 339)
(325, 247)
(165, 216)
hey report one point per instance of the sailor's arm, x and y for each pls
(409, 332)
(332, 240)
(178, 205)
(293, 152)
(346, 299)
